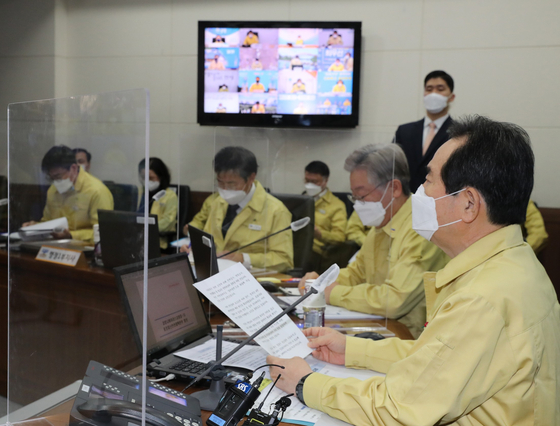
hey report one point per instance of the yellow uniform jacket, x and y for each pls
(339, 89)
(336, 67)
(256, 87)
(79, 205)
(330, 218)
(355, 229)
(166, 210)
(199, 220)
(489, 355)
(262, 216)
(386, 278)
(534, 226)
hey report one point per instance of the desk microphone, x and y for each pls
(327, 278)
(294, 226)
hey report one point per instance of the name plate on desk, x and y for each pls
(61, 256)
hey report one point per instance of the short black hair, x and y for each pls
(58, 156)
(85, 151)
(318, 167)
(236, 159)
(443, 75)
(160, 169)
(497, 160)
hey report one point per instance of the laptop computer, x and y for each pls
(122, 237)
(176, 316)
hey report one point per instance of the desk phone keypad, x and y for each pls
(183, 420)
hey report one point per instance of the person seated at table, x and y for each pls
(245, 212)
(490, 352)
(339, 87)
(387, 276)
(199, 219)
(336, 65)
(250, 39)
(355, 230)
(330, 211)
(163, 199)
(83, 158)
(74, 194)
(533, 228)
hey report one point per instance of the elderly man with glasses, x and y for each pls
(387, 277)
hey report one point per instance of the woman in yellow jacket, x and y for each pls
(163, 199)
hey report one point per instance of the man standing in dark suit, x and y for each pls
(421, 139)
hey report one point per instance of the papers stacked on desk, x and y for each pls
(332, 312)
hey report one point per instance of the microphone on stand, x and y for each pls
(211, 399)
(294, 226)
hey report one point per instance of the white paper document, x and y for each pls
(332, 312)
(298, 413)
(41, 230)
(240, 297)
(249, 357)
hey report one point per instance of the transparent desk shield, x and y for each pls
(335, 233)
(65, 309)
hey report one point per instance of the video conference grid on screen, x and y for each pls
(278, 70)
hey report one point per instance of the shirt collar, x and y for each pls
(247, 198)
(321, 195)
(439, 122)
(479, 252)
(80, 179)
(400, 219)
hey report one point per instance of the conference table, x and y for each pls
(51, 305)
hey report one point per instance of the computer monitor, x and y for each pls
(122, 237)
(204, 253)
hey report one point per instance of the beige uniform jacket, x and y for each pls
(262, 216)
(355, 229)
(166, 211)
(489, 355)
(199, 220)
(534, 225)
(79, 205)
(386, 278)
(330, 218)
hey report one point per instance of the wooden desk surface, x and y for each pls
(52, 304)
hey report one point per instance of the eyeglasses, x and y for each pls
(361, 198)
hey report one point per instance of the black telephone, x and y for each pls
(110, 397)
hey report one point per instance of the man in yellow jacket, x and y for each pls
(534, 230)
(490, 353)
(245, 212)
(330, 212)
(74, 194)
(386, 277)
(355, 230)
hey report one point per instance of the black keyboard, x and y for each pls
(189, 366)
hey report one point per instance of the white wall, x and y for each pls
(503, 54)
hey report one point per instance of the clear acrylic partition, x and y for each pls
(283, 155)
(62, 316)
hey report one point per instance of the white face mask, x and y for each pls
(435, 103)
(312, 189)
(424, 214)
(63, 185)
(232, 196)
(372, 213)
(83, 167)
(153, 185)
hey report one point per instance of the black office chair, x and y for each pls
(301, 206)
(343, 196)
(184, 195)
(125, 196)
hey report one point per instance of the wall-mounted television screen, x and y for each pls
(283, 74)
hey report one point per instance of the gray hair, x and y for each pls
(379, 161)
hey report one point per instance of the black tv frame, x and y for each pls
(280, 120)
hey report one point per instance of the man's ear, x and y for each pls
(396, 187)
(471, 201)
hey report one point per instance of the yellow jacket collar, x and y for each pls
(399, 220)
(257, 202)
(327, 197)
(80, 179)
(480, 252)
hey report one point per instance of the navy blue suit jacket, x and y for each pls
(409, 137)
